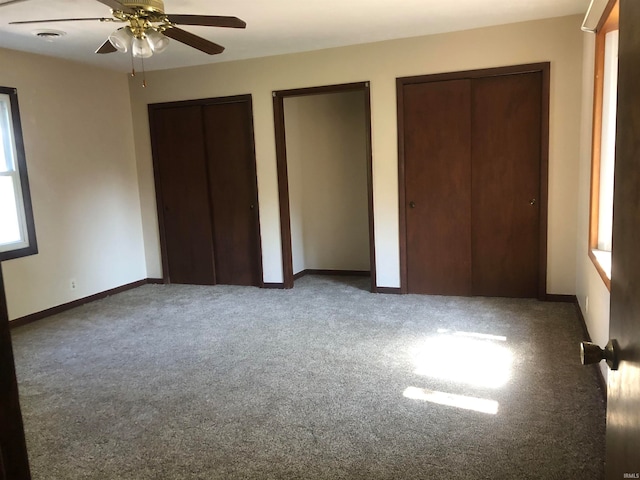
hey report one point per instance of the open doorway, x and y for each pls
(323, 142)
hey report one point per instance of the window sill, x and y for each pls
(602, 261)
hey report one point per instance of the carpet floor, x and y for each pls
(324, 381)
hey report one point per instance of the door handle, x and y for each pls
(412, 204)
(533, 201)
(592, 353)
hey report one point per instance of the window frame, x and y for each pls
(608, 22)
(24, 200)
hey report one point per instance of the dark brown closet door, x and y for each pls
(181, 172)
(437, 152)
(506, 139)
(234, 193)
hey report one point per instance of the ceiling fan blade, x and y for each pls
(61, 20)
(115, 5)
(207, 21)
(106, 47)
(194, 41)
(4, 4)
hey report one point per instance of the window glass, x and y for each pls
(9, 220)
(17, 235)
(608, 140)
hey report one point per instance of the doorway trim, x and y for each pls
(283, 179)
(151, 109)
(544, 69)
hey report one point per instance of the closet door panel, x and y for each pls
(506, 139)
(234, 194)
(180, 163)
(437, 152)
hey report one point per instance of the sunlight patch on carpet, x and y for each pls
(465, 359)
(482, 336)
(482, 405)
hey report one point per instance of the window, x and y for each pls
(604, 141)
(17, 232)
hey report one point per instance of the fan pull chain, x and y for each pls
(133, 71)
(144, 77)
(133, 68)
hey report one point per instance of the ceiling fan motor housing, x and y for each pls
(155, 6)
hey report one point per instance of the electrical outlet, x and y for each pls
(73, 284)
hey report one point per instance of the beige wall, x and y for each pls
(77, 131)
(556, 40)
(591, 291)
(84, 177)
(91, 197)
(327, 169)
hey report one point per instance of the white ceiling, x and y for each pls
(273, 26)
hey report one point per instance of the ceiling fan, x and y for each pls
(148, 27)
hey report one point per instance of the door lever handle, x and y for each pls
(592, 353)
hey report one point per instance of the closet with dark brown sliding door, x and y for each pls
(473, 170)
(206, 189)
(438, 186)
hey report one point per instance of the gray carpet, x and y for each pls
(325, 381)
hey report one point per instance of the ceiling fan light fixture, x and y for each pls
(157, 41)
(141, 48)
(121, 39)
